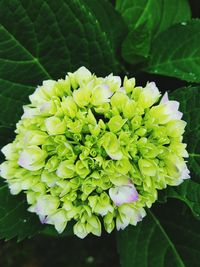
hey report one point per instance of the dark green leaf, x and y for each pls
(136, 45)
(159, 14)
(176, 52)
(110, 21)
(15, 220)
(45, 39)
(167, 239)
(145, 20)
(188, 192)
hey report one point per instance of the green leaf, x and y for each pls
(110, 21)
(15, 220)
(45, 39)
(167, 237)
(176, 52)
(159, 14)
(189, 191)
(136, 45)
(145, 20)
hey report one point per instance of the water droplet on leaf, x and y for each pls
(183, 23)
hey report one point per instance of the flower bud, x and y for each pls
(58, 219)
(66, 169)
(32, 158)
(55, 126)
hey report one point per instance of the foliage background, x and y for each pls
(64, 35)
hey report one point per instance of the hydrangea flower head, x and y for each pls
(96, 151)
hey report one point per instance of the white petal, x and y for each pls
(59, 220)
(29, 112)
(82, 75)
(114, 79)
(115, 156)
(122, 223)
(49, 85)
(80, 230)
(4, 170)
(15, 188)
(8, 151)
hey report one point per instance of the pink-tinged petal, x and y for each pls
(128, 215)
(141, 214)
(164, 99)
(152, 86)
(173, 113)
(24, 161)
(179, 115)
(43, 219)
(171, 107)
(106, 91)
(123, 194)
(38, 209)
(174, 105)
(185, 174)
(173, 110)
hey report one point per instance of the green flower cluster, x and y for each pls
(95, 151)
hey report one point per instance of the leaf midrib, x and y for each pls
(17, 84)
(168, 239)
(35, 59)
(169, 62)
(143, 14)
